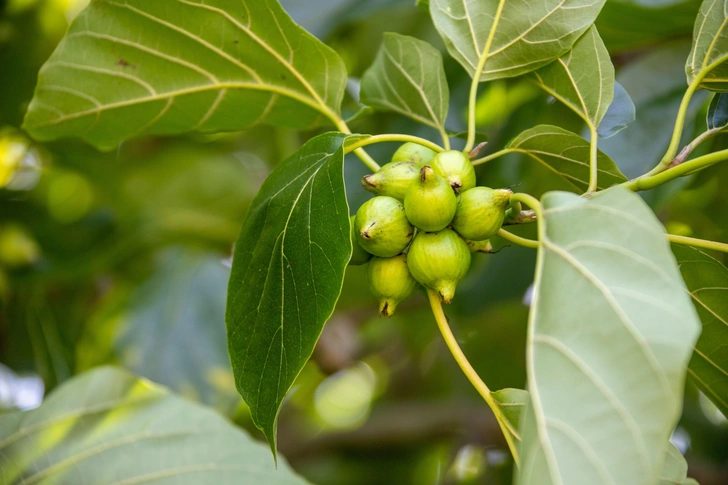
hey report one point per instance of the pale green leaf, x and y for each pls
(675, 469)
(512, 403)
(710, 46)
(108, 427)
(611, 331)
(566, 154)
(525, 35)
(287, 273)
(128, 68)
(408, 77)
(582, 79)
(707, 281)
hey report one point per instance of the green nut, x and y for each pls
(382, 228)
(359, 255)
(456, 168)
(430, 203)
(412, 152)
(481, 212)
(391, 282)
(439, 261)
(392, 180)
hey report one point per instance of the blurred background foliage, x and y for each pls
(123, 257)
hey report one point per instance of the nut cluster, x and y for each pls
(426, 219)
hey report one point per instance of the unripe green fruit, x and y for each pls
(382, 227)
(392, 180)
(358, 255)
(481, 212)
(430, 203)
(412, 152)
(439, 261)
(456, 168)
(391, 282)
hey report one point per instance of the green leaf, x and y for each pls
(718, 112)
(408, 77)
(621, 113)
(107, 426)
(675, 469)
(707, 282)
(566, 154)
(512, 403)
(710, 46)
(582, 79)
(288, 269)
(525, 35)
(128, 68)
(611, 330)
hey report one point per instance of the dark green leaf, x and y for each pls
(620, 113)
(408, 77)
(718, 112)
(566, 154)
(611, 330)
(107, 426)
(526, 35)
(707, 282)
(582, 79)
(675, 469)
(134, 67)
(288, 269)
(710, 46)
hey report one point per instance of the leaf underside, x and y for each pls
(288, 269)
(108, 427)
(610, 334)
(710, 46)
(707, 282)
(566, 154)
(129, 68)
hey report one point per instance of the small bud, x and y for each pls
(412, 152)
(456, 168)
(430, 203)
(392, 180)
(391, 282)
(439, 261)
(480, 246)
(359, 255)
(382, 227)
(481, 212)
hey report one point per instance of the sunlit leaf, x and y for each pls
(408, 77)
(582, 79)
(710, 46)
(287, 273)
(707, 282)
(675, 469)
(107, 426)
(566, 154)
(133, 67)
(525, 35)
(611, 331)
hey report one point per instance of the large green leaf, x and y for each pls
(710, 46)
(610, 333)
(288, 269)
(524, 35)
(675, 469)
(108, 427)
(408, 77)
(582, 79)
(133, 67)
(707, 281)
(566, 154)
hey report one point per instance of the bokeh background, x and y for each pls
(123, 257)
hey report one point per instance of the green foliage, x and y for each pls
(567, 155)
(133, 68)
(710, 47)
(619, 353)
(106, 425)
